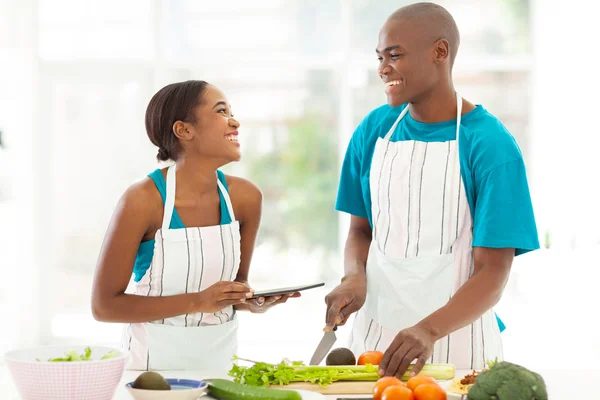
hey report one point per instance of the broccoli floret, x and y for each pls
(507, 381)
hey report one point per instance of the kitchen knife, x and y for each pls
(324, 346)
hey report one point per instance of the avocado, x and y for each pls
(151, 381)
(340, 356)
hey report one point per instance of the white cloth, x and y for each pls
(187, 260)
(421, 252)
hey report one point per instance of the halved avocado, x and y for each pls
(151, 381)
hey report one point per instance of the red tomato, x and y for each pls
(419, 380)
(397, 393)
(384, 383)
(370, 357)
(430, 391)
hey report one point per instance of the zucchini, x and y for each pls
(223, 389)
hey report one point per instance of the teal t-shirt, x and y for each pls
(146, 249)
(492, 169)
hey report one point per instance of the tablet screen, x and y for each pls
(286, 290)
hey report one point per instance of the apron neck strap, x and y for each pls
(458, 118)
(391, 131)
(170, 200)
(227, 199)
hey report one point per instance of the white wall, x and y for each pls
(550, 305)
(19, 295)
(564, 121)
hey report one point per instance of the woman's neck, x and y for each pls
(196, 175)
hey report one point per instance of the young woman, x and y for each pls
(187, 233)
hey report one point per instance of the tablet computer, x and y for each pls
(286, 290)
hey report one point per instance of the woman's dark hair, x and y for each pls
(174, 102)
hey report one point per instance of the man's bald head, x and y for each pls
(416, 50)
(433, 21)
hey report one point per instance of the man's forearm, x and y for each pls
(356, 252)
(480, 293)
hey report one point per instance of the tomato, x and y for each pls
(384, 383)
(430, 391)
(419, 380)
(370, 357)
(397, 392)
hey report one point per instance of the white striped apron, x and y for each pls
(421, 252)
(187, 260)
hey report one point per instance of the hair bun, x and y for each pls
(162, 155)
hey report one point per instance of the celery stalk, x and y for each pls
(284, 373)
(440, 372)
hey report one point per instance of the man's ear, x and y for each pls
(442, 51)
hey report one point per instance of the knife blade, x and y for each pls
(324, 346)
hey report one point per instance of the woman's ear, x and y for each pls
(180, 129)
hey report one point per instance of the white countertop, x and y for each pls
(561, 384)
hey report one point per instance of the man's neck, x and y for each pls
(437, 105)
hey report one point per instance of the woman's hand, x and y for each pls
(262, 304)
(222, 294)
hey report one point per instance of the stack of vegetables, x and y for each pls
(286, 372)
(501, 381)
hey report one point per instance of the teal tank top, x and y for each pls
(146, 249)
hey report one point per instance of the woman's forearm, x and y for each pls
(133, 308)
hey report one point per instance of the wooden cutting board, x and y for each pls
(360, 387)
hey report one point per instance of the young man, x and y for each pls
(439, 202)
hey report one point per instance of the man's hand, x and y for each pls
(410, 343)
(492, 269)
(345, 299)
(350, 295)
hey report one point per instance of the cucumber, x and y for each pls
(223, 389)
